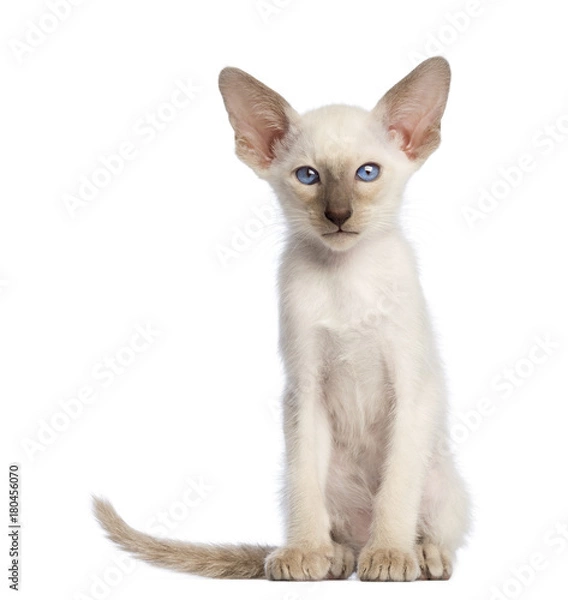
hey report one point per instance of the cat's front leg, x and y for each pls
(390, 554)
(309, 553)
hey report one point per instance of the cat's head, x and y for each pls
(338, 171)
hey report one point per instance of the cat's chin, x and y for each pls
(340, 240)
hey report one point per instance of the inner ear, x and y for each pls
(412, 110)
(259, 116)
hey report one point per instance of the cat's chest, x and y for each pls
(350, 335)
(351, 306)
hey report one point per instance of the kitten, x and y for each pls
(369, 484)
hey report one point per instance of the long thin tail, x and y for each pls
(230, 562)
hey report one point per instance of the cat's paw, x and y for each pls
(435, 562)
(383, 564)
(291, 563)
(342, 563)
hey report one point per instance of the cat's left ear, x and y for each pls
(412, 110)
(259, 116)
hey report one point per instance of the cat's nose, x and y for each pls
(338, 216)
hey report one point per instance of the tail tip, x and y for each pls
(104, 511)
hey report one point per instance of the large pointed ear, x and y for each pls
(259, 116)
(411, 111)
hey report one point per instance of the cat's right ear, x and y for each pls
(412, 110)
(259, 116)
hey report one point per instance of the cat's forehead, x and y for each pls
(338, 135)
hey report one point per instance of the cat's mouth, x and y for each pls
(341, 231)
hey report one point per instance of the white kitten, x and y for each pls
(368, 480)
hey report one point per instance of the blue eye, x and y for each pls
(368, 172)
(307, 175)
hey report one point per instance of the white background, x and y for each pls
(200, 403)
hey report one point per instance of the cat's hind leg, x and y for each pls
(444, 520)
